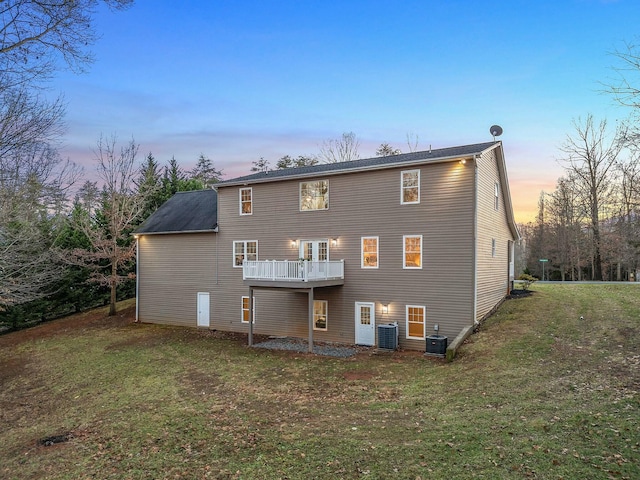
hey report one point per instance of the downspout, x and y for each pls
(475, 239)
(137, 276)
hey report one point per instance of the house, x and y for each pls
(330, 251)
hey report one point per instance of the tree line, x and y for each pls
(588, 228)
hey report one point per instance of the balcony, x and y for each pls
(292, 273)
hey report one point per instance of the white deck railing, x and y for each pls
(292, 270)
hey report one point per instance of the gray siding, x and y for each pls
(172, 269)
(493, 271)
(360, 204)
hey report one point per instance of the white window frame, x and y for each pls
(403, 187)
(404, 252)
(424, 321)
(326, 315)
(242, 201)
(243, 310)
(496, 194)
(362, 252)
(301, 204)
(244, 251)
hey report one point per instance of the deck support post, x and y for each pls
(251, 316)
(311, 320)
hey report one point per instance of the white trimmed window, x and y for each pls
(314, 195)
(496, 196)
(246, 201)
(416, 318)
(369, 256)
(493, 247)
(244, 250)
(320, 308)
(412, 251)
(410, 191)
(245, 310)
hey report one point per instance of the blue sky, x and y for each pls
(240, 80)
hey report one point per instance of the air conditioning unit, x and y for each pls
(388, 336)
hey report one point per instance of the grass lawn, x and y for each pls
(537, 393)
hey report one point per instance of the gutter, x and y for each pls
(475, 238)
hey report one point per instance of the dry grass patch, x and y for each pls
(537, 393)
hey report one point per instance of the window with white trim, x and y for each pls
(493, 247)
(369, 247)
(496, 196)
(244, 250)
(320, 308)
(314, 195)
(410, 187)
(246, 201)
(245, 310)
(416, 316)
(412, 251)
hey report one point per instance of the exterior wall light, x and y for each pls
(334, 242)
(463, 161)
(294, 243)
(385, 308)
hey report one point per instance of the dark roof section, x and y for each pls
(195, 211)
(364, 163)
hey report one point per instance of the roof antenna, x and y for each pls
(496, 131)
(429, 149)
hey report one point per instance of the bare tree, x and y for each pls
(261, 165)
(591, 156)
(412, 142)
(33, 33)
(626, 89)
(109, 225)
(343, 149)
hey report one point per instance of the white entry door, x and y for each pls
(315, 251)
(203, 309)
(365, 323)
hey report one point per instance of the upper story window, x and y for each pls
(493, 247)
(246, 201)
(412, 251)
(244, 250)
(496, 196)
(314, 195)
(410, 186)
(369, 252)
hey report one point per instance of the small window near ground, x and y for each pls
(369, 252)
(245, 310)
(410, 180)
(320, 314)
(246, 201)
(412, 251)
(244, 250)
(416, 318)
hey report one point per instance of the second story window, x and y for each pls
(496, 196)
(246, 201)
(369, 252)
(314, 195)
(412, 251)
(410, 187)
(244, 250)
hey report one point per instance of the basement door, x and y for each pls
(203, 309)
(365, 323)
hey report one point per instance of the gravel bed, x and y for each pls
(302, 346)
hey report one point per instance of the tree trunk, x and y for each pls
(114, 284)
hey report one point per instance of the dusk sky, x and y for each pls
(240, 80)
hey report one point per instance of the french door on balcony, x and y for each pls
(315, 251)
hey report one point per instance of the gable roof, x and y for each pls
(185, 212)
(438, 155)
